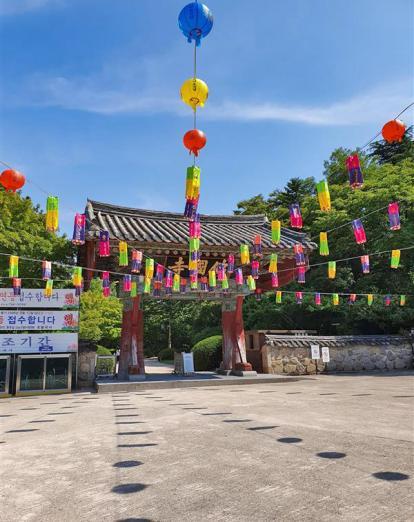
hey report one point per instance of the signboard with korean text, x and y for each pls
(315, 351)
(38, 343)
(325, 354)
(35, 298)
(13, 320)
(188, 362)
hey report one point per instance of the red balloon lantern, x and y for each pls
(12, 180)
(393, 131)
(194, 140)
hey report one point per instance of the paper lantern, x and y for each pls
(244, 254)
(168, 281)
(17, 286)
(230, 264)
(12, 180)
(194, 227)
(301, 270)
(194, 92)
(136, 261)
(194, 140)
(225, 284)
(212, 281)
(273, 263)
(387, 300)
(276, 231)
(299, 254)
(221, 273)
(299, 297)
(194, 281)
(359, 231)
(176, 283)
(352, 299)
(104, 247)
(370, 299)
(195, 21)
(332, 269)
(106, 285)
(402, 300)
(204, 284)
(323, 244)
(251, 283)
(257, 246)
(134, 290)
(395, 258)
(13, 266)
(46, 270)
(49, 288)
(77, 276)
(191, 206)
(275, 280)
(79, 229)
(295, 216)
(335, 299)
(258, 294)
(255, 269)
(365, 264)
(159, 273)
(149, 268)
(52, 213)
(356, 179)
(192, 184)
(147, 285)
(238, 276)
(278, 297)
(394, 216)
(123, 253)
(194, 246)
(323, 196)
(127, 283)
(318, 300)
(393, 131)
(183, 285)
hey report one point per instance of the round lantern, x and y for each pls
(393, 130)
(195, 21)
(12, 180)
(194, 140)
(194, 92)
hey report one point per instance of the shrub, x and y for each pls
(101, 350)
(208, 353)
(166, 355)
(209, 331)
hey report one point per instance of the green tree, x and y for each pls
(383, 152)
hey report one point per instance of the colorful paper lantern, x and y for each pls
(301, 270)
(352, 299)
(244, 254)
(365, 264)
(402, 300)
(257, 246)
(276, 231)
(194, 281)
(370, 299)
(255, 269)
(387, 300)
(393, 131)
(79, 229)
(323, 196)
(106, 285)
(190, 209)
(295, 216)
(123, 253)
(159, 273)
(136, 261)
(299, 297)
(230, 264)
(204, 284)
(77, 276)
(356, 179)
(176, 283)
(52, 213)
(127, 283)
(251, 283)
(335, 299)
(395, 258)
(194, 227)
(168, 281)
(323, 244)
(192, 184)
(194, 140)
(17, 286)
(212, 280)
(194, 92)
(104, 246)
(12, 180)
(238, 276)
(195, 21)
(278, 297)
(147, 285)
(134, 289)
(183, 285)
(258, 294)
(299, 254)
(149, 268)
(49, 288)
(46, 270)
(318, 300)
(359, 231)
(221, 272)
(332, 269)
(225, 284)
(394, 216)
(273, 263)
(275, 280)
(14, 266)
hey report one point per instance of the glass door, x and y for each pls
(4, 374)
(58, 372)
(30, 373)
(43, 373)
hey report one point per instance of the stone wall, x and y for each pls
(292, 355)
(86, 364)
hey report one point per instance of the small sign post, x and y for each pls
(315, 355)
(325, 354)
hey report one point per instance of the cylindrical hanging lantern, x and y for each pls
(301, 270)
(370, 299)
(244, 254)
(49, 288)
(295, 216)
(365, 264)
(299, 254)
(323, 244)
(136, 262)
(46, 270)
(332, 269)
(356, 179)
(17, 285)
(299, 297)
(127, 283)
(278, 297)
(275, 280)
(14, 266)
(318, 300)
(359, 231)
(255, 269)
(273, 263)
(104, 247)
(230, 264)
(352, 299)
(123, 253)
(212, 280)
(335, 299)
(323, 196)
(395, 258)
(394, 216)
(238, 276)
(106, 285)
(257, 246)
(79, 229)
(149, 268)
(52, 213)
(276, 231)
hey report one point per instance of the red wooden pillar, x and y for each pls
(131, 358)
(234, 345)
(90, 263)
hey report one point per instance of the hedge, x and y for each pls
(208, 353)
(167, 354)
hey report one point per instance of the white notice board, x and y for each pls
(188, 362)
(325, 354)
(315, 351)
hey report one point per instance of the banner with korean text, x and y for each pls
(38, 343)
(35, 298)
(13, 320)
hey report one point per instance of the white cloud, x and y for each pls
(14, 7)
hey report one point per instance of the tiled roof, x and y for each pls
(156, 227)
(296, 341)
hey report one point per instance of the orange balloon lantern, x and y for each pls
(393, 131)
(194, 140)
(12, 180)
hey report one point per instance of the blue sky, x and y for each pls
(90, 104)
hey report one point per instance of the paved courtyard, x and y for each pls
(326, 449)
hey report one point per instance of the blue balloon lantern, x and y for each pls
(195, 21)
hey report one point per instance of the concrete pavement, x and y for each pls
(329, 449)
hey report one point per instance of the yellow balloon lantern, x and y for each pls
(194, 92)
